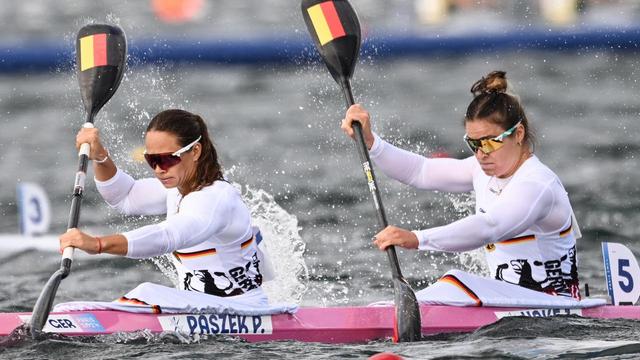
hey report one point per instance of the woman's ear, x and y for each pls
(197, 150)
(520, 132)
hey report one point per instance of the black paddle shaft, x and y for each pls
(78, 187)
(363, 153)
(45, 301)
(408, 322)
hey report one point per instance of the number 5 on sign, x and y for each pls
(622, 273)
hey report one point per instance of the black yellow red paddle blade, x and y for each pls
(101, 52)
(335, 30)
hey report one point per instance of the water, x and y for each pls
(277, 130)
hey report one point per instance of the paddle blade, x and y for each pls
(408, 323)
(44, 304)
(335, 30)
(101, 52)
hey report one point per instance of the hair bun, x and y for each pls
(494, 82)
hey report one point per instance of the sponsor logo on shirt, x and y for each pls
(209, 324)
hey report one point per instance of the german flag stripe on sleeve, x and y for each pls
(246, 243)
(326, 22)
(195, 254)
(518, 240)
(526, 238)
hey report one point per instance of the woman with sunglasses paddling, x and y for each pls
(208, 227)
(523, 218)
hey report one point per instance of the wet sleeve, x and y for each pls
(201, 216)
(451, 175)
(134, 197)
(517, 209)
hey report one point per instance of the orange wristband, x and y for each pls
(99, 245)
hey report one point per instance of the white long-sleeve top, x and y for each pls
(208, 231)
(530, 205)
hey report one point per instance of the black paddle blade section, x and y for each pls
(335, 30)
(407, 312)
(45, 301)
(101, 52)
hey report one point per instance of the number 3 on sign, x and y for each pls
(622, 273)
(34, 210)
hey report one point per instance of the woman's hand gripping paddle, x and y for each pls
(335, 30)
(101, 60)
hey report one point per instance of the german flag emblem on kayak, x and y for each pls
(326, 22)
(94, 51)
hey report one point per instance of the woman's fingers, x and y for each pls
(74, 238)
(382, 244)
(66, 239)
(354, 113)
(392, 235)
(360, 114)
(346, 126)
(86, 135)
(92, 137)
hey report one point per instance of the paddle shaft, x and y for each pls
(407, 315)
(45, 301)
(78, 187)
(363, 153)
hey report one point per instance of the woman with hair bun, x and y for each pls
(523, 218)
(208, 227)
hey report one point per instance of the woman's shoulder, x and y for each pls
(534, 169)
(219, 188)
(219, 195)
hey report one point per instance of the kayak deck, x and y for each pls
(311, 324)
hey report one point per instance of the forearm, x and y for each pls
(113, 244)
(104, 171)
(463, 235)
(516, 210)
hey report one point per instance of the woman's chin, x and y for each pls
(169, 184)
(489, 171)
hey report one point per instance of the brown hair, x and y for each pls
(492, 103)
(187, 127)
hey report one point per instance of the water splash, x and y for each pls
(471, 261)
(165, 264)
(286, 248)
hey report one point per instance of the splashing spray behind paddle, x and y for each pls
(281, 232)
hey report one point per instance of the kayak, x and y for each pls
(310, 324)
